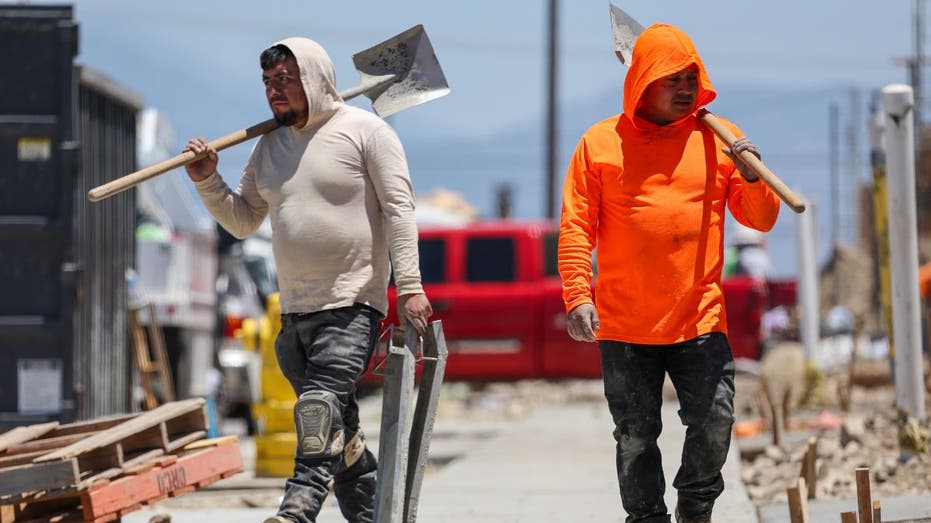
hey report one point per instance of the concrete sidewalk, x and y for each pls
(554, 466)
(558, 466)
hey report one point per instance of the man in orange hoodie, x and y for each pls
(648, 188)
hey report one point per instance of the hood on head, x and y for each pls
(318, 77)
(659, 51)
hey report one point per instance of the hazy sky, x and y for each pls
(197, 61)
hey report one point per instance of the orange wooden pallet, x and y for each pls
(170, 476)
(197, 465)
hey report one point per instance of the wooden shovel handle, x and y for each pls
(792, 200)
(130, 180)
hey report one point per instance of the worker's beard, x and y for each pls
(286, 118)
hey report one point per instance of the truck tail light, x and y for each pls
(230, 325)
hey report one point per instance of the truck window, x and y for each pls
(550, 244)
(432, 260)
(489, 259)
(551, 254)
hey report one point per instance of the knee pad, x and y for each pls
(319, 424)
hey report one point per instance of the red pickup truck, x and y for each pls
(496, 288)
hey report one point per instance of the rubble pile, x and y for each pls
(866, 436)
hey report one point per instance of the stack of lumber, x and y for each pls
(100, 469)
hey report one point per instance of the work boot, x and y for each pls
(277, 519)
(680, 519)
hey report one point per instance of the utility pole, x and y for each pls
(552, 75)
(917, 77)
(834, 131)
(856, 166)
(917, 66)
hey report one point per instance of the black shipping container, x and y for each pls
(63, 130)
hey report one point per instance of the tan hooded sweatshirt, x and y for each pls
(652, 199)
(339, 195)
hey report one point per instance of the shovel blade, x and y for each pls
(418, 75)
(626, 30)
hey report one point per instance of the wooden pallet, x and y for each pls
(66, 459)
(170, 476)
(197, 465)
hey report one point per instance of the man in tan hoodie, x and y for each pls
(335, 182)
(649, 188)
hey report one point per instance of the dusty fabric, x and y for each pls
(339, 196)
(702, 372)
(652, 199)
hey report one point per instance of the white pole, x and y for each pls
(898, 100)
(808, 299)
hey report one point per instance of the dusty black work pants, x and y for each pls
(329, 351)
(702, 371)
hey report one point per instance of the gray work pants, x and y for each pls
(329, 351)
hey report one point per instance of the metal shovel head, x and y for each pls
(418, 75)
(626, 30)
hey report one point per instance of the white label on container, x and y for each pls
(39, 385)
(34, 148)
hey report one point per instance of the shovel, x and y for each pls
(397, 74)
(626, 30)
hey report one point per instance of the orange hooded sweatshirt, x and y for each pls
(652, 198)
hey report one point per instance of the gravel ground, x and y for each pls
(865, 434)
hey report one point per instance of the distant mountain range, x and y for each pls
(790, 127)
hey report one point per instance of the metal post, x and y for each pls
(898, 100)
(808, 282)
(395, 428)
(881, 220)
(428, 398)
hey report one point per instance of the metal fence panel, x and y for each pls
(104, 245)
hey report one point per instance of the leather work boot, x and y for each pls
(680, 519)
